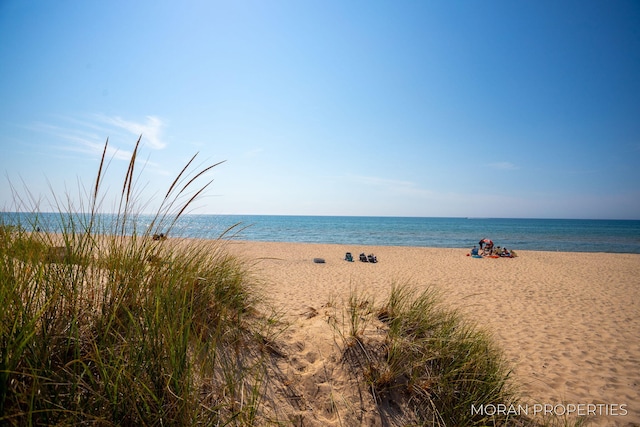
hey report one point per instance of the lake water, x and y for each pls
(569, 235)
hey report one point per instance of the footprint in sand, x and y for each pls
(299, 365)
(311, 357)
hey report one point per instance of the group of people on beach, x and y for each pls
(487, 248)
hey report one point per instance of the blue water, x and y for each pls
(569, 235)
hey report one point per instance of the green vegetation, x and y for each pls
(414, 355)
(100, 327)
(426, 356)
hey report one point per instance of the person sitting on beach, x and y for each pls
(474, 251)
(487, 250)
(505, 253)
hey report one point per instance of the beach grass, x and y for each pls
(426, 356)
(414, 353)
(100, 326)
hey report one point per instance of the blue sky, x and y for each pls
(408, 108)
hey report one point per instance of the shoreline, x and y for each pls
(600, 236)
(568, 322)
(358, 245)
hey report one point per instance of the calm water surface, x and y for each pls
(573, 235)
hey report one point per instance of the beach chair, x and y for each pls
(363, 258)
(348, 257)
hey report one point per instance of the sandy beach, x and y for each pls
(568, 322)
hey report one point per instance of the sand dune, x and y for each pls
(568, 322)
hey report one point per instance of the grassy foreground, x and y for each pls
(102, 327)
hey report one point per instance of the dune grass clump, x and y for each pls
(103, 326)
(427, 360)
(447, 363)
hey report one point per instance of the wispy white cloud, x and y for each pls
(151, 129)
(503, 166)
(88, 135)
(97, 148)
(81, 140)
